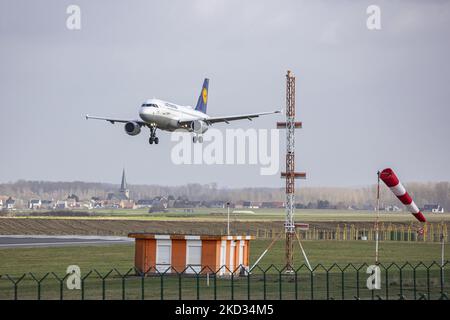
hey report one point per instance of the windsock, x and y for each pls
(390, 179)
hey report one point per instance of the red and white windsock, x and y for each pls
(390, 179)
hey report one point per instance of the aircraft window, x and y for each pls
(150, 105)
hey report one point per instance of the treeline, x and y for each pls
(423, 193)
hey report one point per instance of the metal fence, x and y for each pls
(431, 232)
(397, 281)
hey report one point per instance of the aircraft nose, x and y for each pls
(145, 113)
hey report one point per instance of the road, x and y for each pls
(13, 241)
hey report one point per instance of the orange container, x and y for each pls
(191, 254)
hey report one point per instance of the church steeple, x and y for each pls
(123, 186)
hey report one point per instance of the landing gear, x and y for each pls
(153, 137)
(155, 140)
(198, 138)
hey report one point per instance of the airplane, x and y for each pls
(167, 116)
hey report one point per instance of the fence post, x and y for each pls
(143, 286)
(82, 288)
(357, 283)
(414, 283)
(280, 285)
(179, 286)
(248, 285)
(215, 284)
(387, 283)
(296, 285)
(103, 282)
(38, 281)
(401, 282)
(15, 283)
(198, 284)
(232, 285)
(264, 278)
(61, 285)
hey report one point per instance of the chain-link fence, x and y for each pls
(351, 281)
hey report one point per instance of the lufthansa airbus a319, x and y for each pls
(163, 115)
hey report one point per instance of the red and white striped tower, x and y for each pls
(290, 175)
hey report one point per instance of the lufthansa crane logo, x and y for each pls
(205, 95)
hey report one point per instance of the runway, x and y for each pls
(14, 241)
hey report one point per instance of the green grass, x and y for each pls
(204, 214)
(103, 258)
(39, 261)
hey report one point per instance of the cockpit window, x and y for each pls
(150, 105)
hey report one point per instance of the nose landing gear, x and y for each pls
(153, 137)
(198, 138)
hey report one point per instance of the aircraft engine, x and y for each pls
(132, 128)
(199, 126)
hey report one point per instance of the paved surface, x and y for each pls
(11, 241)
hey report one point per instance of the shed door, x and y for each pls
(163, 255)
(193, 256)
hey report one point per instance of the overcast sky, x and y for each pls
(367, 99)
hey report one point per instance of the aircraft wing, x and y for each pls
(227, 119)
(142, 123)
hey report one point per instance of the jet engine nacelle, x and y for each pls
(132, 128)
(199, 126)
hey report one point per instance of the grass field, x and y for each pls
(270, 285)
(103, 258)
(212, 214)
(119, 259)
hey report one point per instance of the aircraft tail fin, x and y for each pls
(203, 98)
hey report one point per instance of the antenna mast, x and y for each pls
(290, 175)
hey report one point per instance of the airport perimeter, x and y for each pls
(410, 266)
(407, 281)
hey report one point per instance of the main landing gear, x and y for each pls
(153, 137)
(197, 138)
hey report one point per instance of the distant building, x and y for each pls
(35, 204)
(273, 204)
(72, 203)
(61, 205)
(392, 209)
(47, 204)
(183, 202)
(144, 203)
(159, 204)
(10, 204)
(124, 193)
(251, 204)
(1, 204)
(213, 204)
(127, 204)
(435, 208)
